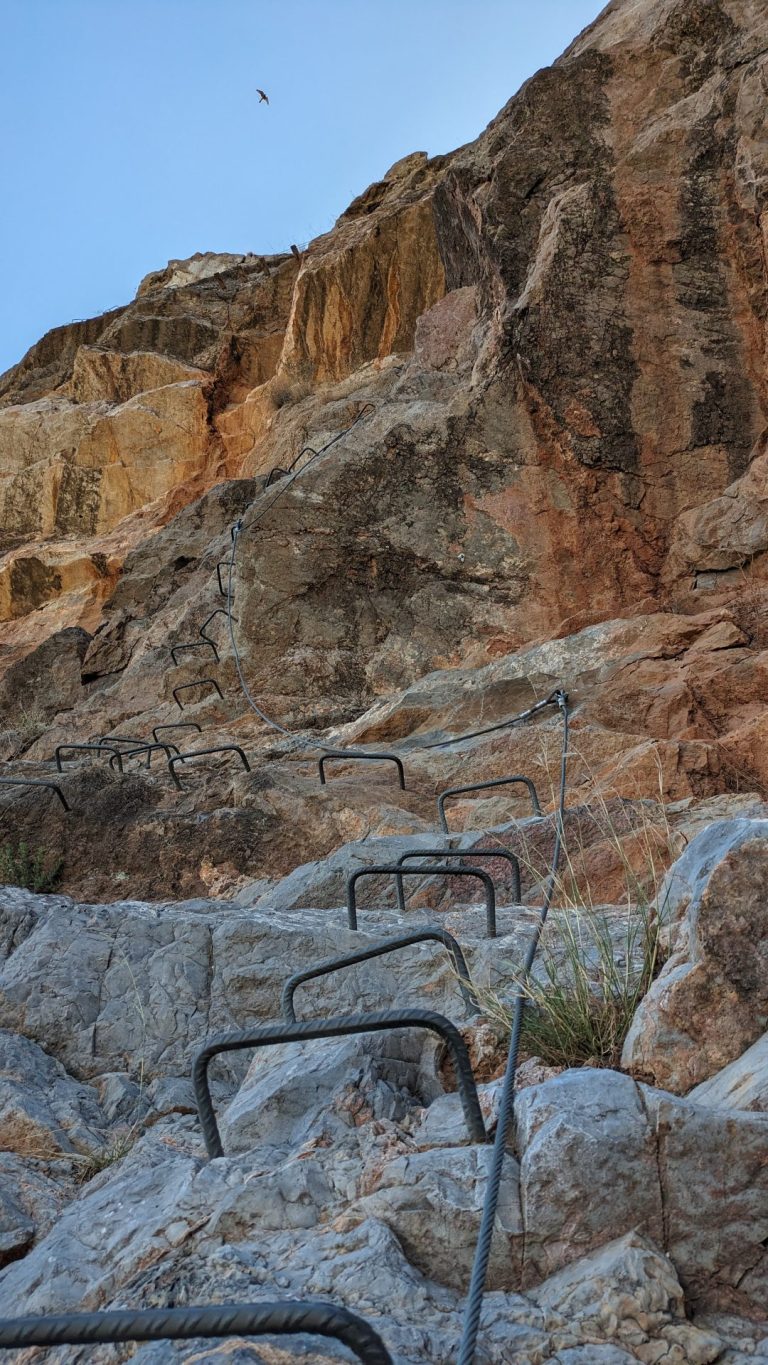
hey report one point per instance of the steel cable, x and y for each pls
(506, 1107)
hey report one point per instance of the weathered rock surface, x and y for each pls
(336, 1187)
(709, 1002)
(547, 352)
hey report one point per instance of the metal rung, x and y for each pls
(88, 748)
(178, 725)
(298, 1317)
(360, 756)
(199, 683)
(195, 644)
(222, 564)
(272, 1034)
(485, 786)
(433, 870)
(118, 739)
(392, 945)
(220, 611)
(275, 474)
(33, 782)
(470, 853)
(200, 753)
(148, 749)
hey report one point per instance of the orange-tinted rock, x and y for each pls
(560, 329)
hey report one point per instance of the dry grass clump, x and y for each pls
(595, 962)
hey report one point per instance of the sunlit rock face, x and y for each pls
(544, 357)
(556, 337)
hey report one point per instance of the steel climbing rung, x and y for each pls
(276, 1318)
(274, 475)
(310, 450)
(433, 870)
(93, 748)
(468, 853)
(35, 782)
(178, 725)
(118, 739)
(391, 945)
(147, 748)
(485, 786)
(222, 564)
(269, 1035)
(200, 753)
(200, 682)
(361, 756)
(195, 644)
(220, 611)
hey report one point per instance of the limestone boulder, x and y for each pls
(742, 1084)
(602, 1157)
(43, 1112)
(709, 1002)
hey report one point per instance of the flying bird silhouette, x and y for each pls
(262, 97)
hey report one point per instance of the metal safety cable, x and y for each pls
(507, 1103)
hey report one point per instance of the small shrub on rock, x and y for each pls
(36, 870)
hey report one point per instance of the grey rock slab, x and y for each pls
(626, 1292)
(43, 1111)
(130, 1214)
(588, 1171)
(743, 1084)
(710, 1000)
(442, 1123)
(714, 1184)
(30, 1201)
(602, 1157)
(433, 1201)
(122, 1099)
(109, 988)
(323, 1087)
(132, 988)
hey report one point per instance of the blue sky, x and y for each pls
(133, 132)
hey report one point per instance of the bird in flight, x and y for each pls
(262, 97)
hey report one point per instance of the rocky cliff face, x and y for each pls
(544, 358)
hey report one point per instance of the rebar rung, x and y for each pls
(434, 870)
(269, 1035)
